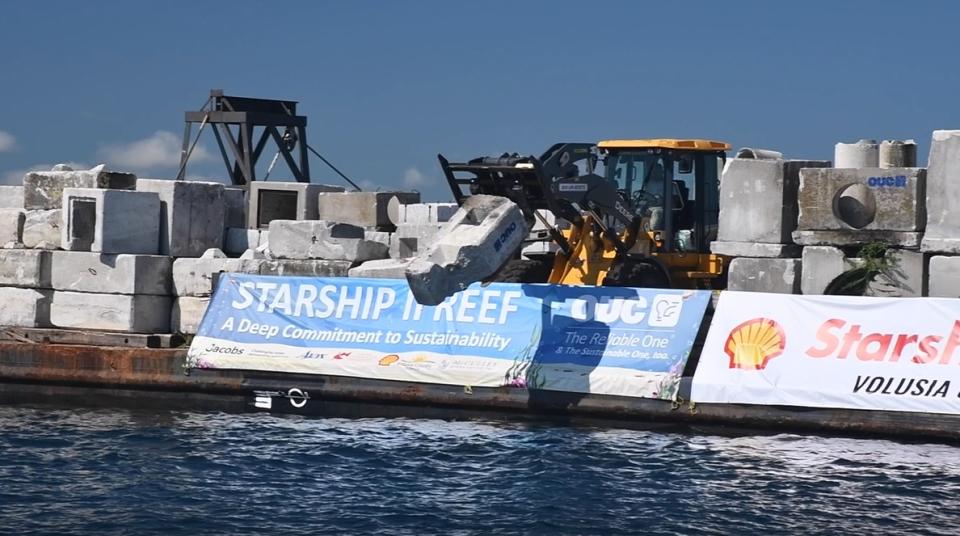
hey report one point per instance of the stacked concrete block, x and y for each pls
(81, 271)
(857, 206)
(758, 207)
(410, 238)
(110, 221)
(906, 276)
(138, 313)
(26, 268)
(25, 307)
(198, 277)
(898, 154)
(270, 201)
(41, 229)
(238, 240)
(780, 276)
(420, 213)
(44, 190)
(305, 268)
(943, 194)
(944, 276)
(192, 215)
(381, 269)
(480, 237)
(187, 314)
(323, 240)
(11, 196)
(235, 206)
(11, 226)
(364, 209)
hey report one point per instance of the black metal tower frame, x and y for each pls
(223, 112)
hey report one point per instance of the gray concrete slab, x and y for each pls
(780, 276)
(43, 190)
(199, 276)
(192, 215)
(82, 271)
(819, 266)
(755, 249)
(484, 233)
(110, 221)
(270, 201)
(11, 196)
(366, 209)
(41, 228)
(25, 268)
(873, 199)
(858, 237)
(187, 313)
(11, 225)
(323, 240)
(25, 307)
(944, 277)
(943, 194)
(758, 199)
(381, 269)
(111, 312)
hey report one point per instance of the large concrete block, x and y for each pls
(192, 215)
(112, 312)
(381, 269)
(43, 190)
(758, 199)
(42, 228)
(306, 268)
(780, 276)
(270, 201)
(366, 209)
(862, 154)
(25, 307)
(11, 196)
(235, 206)
(187, 313)
(478, 239)
(859, 237)
(754, 249)
(83, 271)
(819, 266)
(11, 225)
(199, 276)
(322, 240)
(905, 277)
(898, 154)
(944, 277)
(867, 198)
(25, 268)
(943, 193)
(110, 221)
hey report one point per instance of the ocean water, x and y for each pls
(122, 472)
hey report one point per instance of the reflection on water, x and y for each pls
(125, 472)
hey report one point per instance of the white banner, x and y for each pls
(898, 354)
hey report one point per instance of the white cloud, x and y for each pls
(16, 176)
(7, 141)
(161, 150)
(414, 177)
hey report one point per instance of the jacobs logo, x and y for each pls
(752, 344)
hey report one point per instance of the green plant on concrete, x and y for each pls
(875, 259)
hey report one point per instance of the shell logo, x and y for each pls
(752, 344)
(388, 360)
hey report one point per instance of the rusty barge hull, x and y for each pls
(157, 378)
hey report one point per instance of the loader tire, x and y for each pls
(634, 273)
(524, 271)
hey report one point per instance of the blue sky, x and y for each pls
(388, 85)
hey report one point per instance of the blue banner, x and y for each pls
(627, 341)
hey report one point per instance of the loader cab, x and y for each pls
(672, 184)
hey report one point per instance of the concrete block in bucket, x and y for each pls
(110, 221)
(473, 245)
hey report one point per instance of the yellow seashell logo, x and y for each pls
(388, 360)
(752, 344)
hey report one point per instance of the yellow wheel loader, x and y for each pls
(646, 222)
